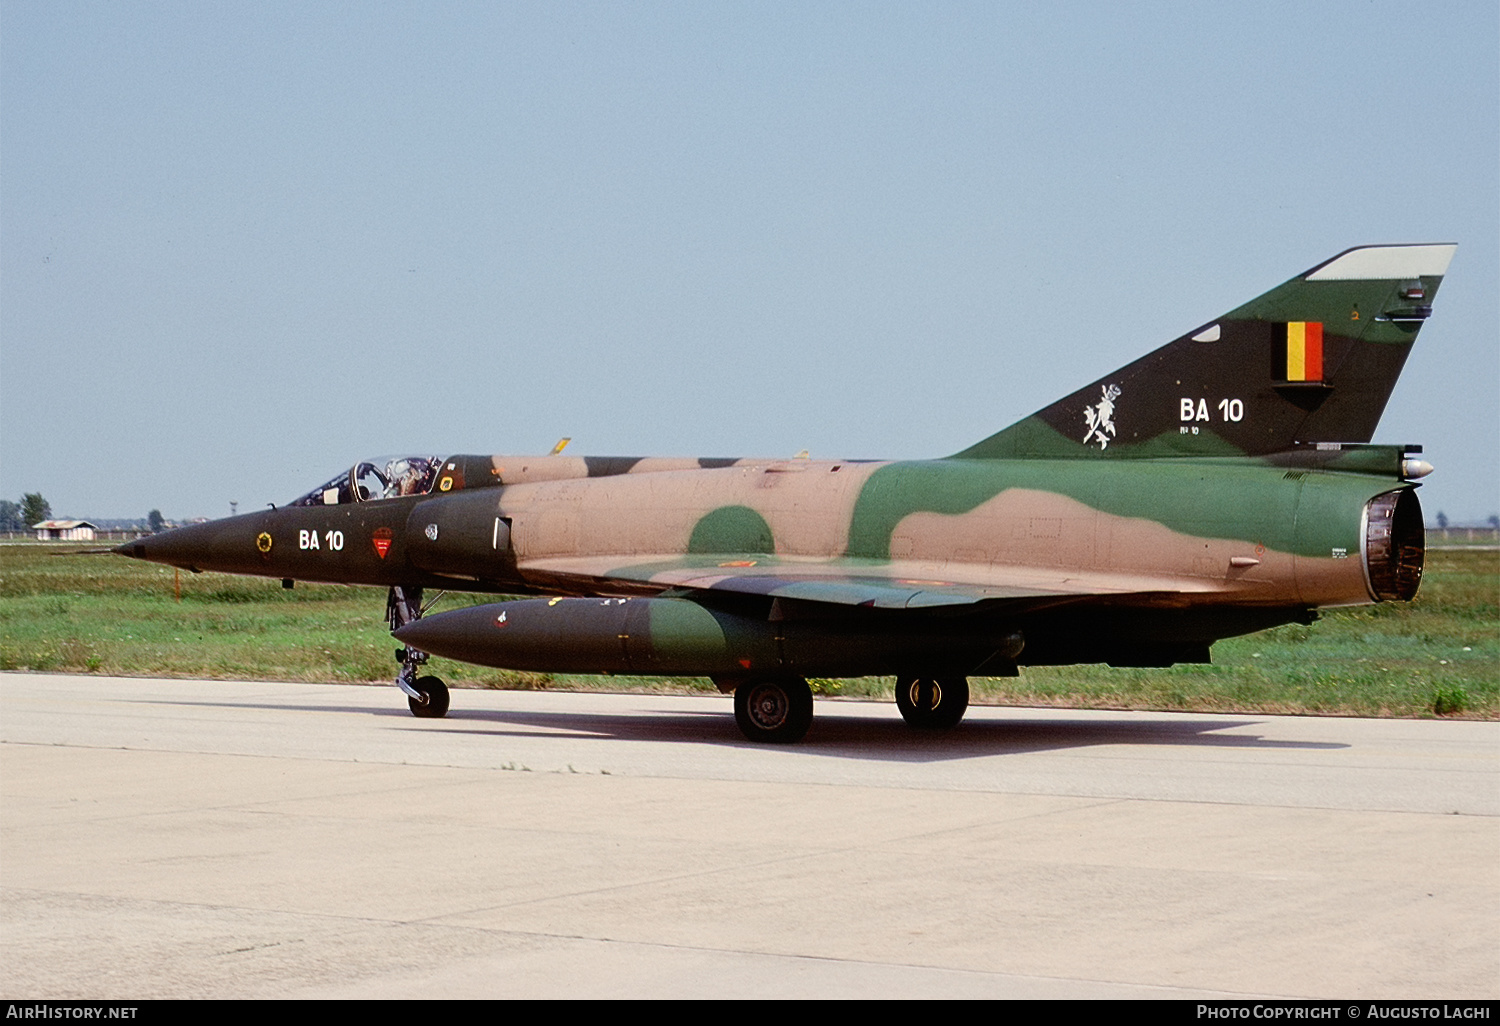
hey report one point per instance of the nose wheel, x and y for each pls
(433, 700)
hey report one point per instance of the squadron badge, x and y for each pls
(1100, 417)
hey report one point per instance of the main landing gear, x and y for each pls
(779, 710)
(932, 703)
(773, 710)
(427, 696)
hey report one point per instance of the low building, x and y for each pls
(64, 530)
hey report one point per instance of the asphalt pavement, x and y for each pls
(228, 839)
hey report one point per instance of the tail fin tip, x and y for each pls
(1386, 263)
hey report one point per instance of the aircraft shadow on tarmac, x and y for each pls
(892, 740)
(839, 736)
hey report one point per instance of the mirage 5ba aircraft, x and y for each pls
(1217, 486)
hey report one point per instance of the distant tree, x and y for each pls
(1494, 521)
(154, 518)
(35, 509)
(10, 516)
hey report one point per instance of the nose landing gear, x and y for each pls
(427, 696)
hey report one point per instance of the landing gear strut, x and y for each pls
(932, 703)
(427, 696)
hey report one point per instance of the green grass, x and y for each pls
(102, 614)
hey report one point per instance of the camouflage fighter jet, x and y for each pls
(1220, 485)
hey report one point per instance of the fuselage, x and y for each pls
(1233, 531)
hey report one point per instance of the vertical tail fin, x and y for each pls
(1314, 359)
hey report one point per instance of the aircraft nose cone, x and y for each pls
(156, 548)
(209, 546)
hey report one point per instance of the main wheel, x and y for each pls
(436, 693)
(932, 703)
(774, 710)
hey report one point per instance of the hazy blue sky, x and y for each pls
(244, 244)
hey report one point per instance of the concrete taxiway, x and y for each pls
(227, 839)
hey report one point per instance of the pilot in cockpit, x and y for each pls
(385, 477)
(411, 475)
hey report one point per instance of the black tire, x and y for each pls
(774, 710)
(436, 693)
(932, 703)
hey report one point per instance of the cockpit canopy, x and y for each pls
(383, 477)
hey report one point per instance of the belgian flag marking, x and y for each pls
(1303, 352)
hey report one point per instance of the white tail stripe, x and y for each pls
(1382, 262)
